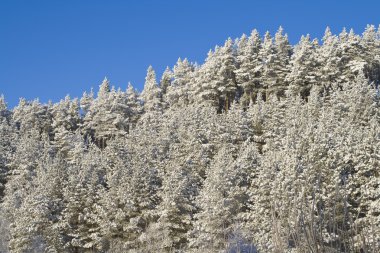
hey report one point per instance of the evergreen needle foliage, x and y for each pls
(265, 147)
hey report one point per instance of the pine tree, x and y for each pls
(66, 120)
(217, 84)
(104, 89)
(151, 95)
(80, 218)
(66, 114)
(3, 104)
(351, 58)
(86, 101)
(7, 144)
(107, 115)
(282, 60)
(32, 116)
(371, 45)
(21, 184)
(131, 198)
(134, 106)
(179, 92)
(220, 201)
(303, 75)
(166, 80)
(267, 58)
(206, 92)
(227, 84)
(35, 226)
(331, 57)
(175, 211)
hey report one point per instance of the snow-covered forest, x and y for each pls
(265, 147)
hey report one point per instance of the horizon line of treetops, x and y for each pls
(251, 64)
(237, 72)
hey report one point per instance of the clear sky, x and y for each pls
(52, 48)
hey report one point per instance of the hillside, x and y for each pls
(264, 147)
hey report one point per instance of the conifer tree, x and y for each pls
(166, 80)
(38, 230)
(134, 106)
(80, 218)
(151, 95)
(304, 67)
(107, 115)
(351, 58)
(267, 58)
(206, 91)
(227, 85)
(282, 60)
(21, 184)
(179, 90)
(371, 45)
(32, 116)
(220, 201)
(330, 56)
(218, 83)
(7, 144)
(86, 101)
(248, 74)
(175, 211)
(66, 120)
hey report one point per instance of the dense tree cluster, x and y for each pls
(264, 147)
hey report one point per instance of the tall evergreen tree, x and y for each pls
(304, 64)
(179, 92)
(151, 95)
(220, 201)
(249, 72)
(166, 80)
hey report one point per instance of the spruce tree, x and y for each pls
(151, 95)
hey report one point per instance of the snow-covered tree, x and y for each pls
(179, 92)
(152, 94)
(81, 214)
(21, 183)
(205, 84)
(86, 101)
(351, 57)
(66, 114)
(35, 226)
(7, 144)
(304, 74)
(32, 116)
(248, 74)
(330, 58)
(66, 120)
(220, 201)
(371, 49)
(217, 82)
(166, 80)
(282, 60)
(134, 106)
(107, 116)
(175, 211)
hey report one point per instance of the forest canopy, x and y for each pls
(265, 147)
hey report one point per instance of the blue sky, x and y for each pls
(52, 48)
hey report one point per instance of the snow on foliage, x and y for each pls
(265, 147)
